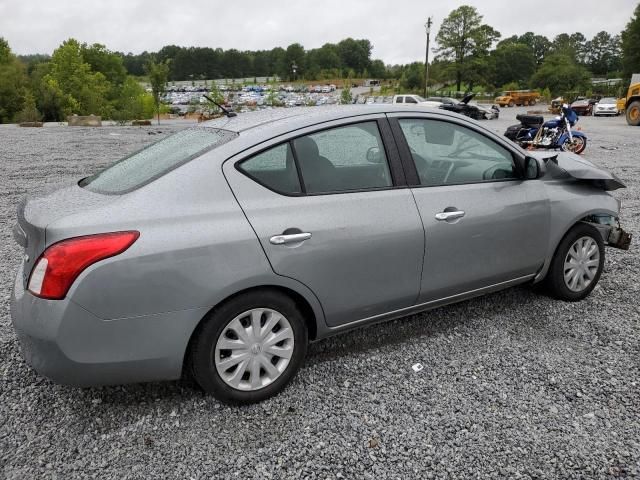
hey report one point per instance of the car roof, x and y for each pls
(301, 117)
(253, 128)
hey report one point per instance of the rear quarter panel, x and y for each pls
(195, 249)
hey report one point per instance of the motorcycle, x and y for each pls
(533, 132)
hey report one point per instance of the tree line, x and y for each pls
(471, 53)
(85, 79)
(332, 60)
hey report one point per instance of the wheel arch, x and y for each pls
(309, 311)
(555, 242)
(630, 100)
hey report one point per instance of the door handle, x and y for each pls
(449, 215)
(291, 238)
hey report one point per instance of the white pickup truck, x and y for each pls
(407, 99)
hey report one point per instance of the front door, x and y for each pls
(327, 213)
(484, 226)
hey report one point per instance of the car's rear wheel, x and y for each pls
(577, 264)
(249, 348)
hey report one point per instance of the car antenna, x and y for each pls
(228, 113)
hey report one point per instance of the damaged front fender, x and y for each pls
(580, 169)
(612, 233)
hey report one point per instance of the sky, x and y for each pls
(395, 28)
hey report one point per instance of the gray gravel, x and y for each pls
(515, 384)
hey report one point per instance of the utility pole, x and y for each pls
(427, 27)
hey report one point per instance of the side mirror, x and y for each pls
(534, 168)
(374, 156)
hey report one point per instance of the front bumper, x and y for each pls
(63, 341)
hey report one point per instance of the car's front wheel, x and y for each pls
(249, 348)
(577, 264)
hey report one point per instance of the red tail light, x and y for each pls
(61, 263)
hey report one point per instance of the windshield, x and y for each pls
(608, 100)
(154, 161)
(419, 98)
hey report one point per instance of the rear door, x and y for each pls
(331, 211)
(484, 226)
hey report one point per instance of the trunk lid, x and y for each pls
(38, 211)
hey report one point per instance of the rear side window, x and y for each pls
(152, 162)
(342, 159)
(275, 169)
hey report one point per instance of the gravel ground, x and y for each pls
(515, 384)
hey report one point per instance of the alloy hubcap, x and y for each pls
(581, 264)
(254, 349)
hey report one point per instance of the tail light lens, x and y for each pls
(61, 263)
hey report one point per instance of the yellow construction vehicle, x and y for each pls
(632, 102)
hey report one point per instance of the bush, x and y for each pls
(29, 113)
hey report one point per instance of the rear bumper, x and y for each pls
(66, 343)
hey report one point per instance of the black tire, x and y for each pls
(633, 113)
(566, 147)
(203, 343)
(555, 280)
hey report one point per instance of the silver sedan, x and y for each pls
(606, 106)
(222, 250)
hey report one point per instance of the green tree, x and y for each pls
(102, 60)
(29, 112)
(631, 45)
(514, 62)
(463, 36)
(71, 79)
(158, 74)
(294, 55)
(133, 102)
(561, 75)
(603, 54)
(13, 83)
(355, 54)
(412, 78)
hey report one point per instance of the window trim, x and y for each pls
(393, 157)
(413, 178)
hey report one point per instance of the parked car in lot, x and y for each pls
(409, 100)
(222, 250)
(463, 107)
(582, 106)
(606, 106)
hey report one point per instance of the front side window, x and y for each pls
(152, 162)
(446, 153)
(411, 100)
(342, 159)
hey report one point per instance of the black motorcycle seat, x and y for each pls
(530, 119)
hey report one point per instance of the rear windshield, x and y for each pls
(156, 160)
